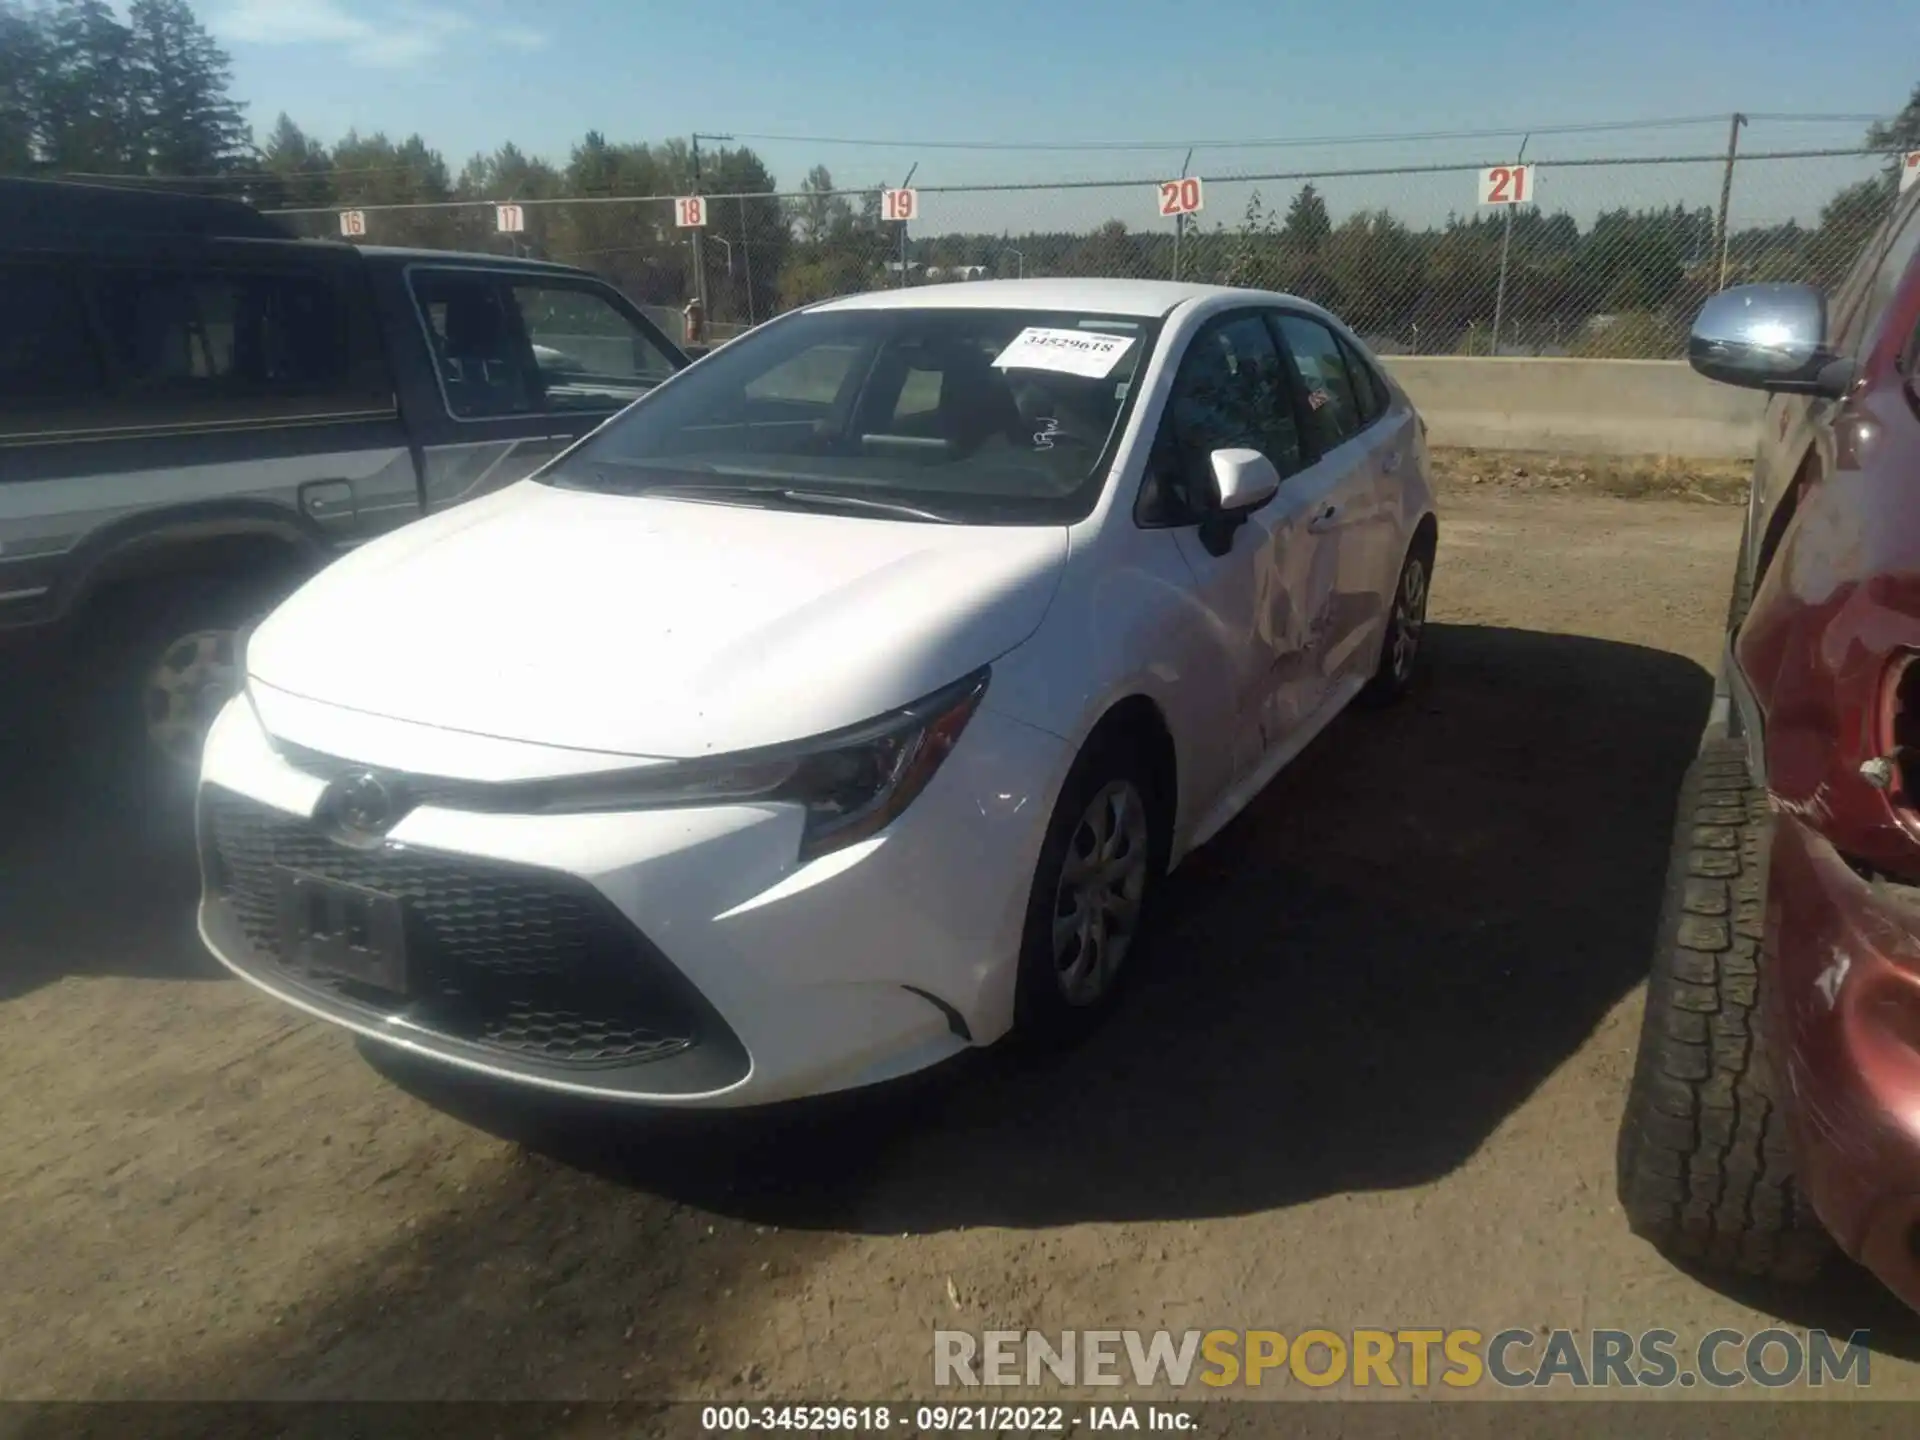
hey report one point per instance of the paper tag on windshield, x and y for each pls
(1074, 352)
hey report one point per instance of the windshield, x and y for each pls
(976, 416)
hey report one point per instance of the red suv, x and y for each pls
(1775, 1104)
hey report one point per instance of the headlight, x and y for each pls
(852, 783)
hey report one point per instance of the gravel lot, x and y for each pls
(1369, 1076)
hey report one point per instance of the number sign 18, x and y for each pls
(1181, 197)
(1506, 185)
(900, 205)
(690, 211)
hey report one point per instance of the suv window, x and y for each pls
(48, 362)
(228, 344)
(1868, 289)
(1230, 391)
(589, 355)
(1333, 408)
(505, 346)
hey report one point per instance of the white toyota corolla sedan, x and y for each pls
(835, 707)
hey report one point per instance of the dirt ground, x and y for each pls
(1368, 1074)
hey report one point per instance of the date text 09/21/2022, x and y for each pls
(959, 1419)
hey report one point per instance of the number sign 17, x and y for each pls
(1181, 197)
(1506, 185)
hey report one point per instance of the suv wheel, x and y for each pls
(158, 665)
(1702, 1165)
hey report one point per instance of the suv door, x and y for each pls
(524, 364)
(1356, 442)
(1231, 390)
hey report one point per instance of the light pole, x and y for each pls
(699, 255)
(1020, 263)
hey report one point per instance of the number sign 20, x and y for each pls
(1180, 197)
(1506, 185)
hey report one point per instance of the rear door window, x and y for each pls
(253, 344)
(1332, 407)
(50, 371)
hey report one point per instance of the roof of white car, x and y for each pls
(1106, 297)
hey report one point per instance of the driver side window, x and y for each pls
(1230, 392)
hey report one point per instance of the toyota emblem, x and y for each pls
(364, 805)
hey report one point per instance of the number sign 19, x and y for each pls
(1506, 185)
(902, 205)
(1181, 197)
(690, 212)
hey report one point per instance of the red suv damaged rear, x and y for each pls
(1775, 1102)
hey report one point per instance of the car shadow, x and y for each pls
(1348, 989)
(97, 869)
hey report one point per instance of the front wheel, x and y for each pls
(1099, 864)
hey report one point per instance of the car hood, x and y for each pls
(654, 627)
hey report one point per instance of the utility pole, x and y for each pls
(1506, 244)
(1180, 221)
(1726, 198)
(699, 251)
(906, 184)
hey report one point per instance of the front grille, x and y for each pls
(516, 960)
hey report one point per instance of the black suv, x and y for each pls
(198, 410)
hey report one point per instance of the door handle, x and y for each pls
(1328, 517)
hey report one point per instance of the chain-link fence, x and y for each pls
(1610, 257)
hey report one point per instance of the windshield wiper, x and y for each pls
(785, 497)
(825, 500)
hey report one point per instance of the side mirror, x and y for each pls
(1768, 337)
(1243, 481)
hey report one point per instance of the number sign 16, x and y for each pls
(900, 205)
(1181, 197)
(690, 211)
(1506, 185)
(353, 223)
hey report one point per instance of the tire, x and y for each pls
(1400, 648)
(1702, 1165)
(155, 664)
(1113, 774)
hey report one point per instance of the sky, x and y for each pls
(1161, 74)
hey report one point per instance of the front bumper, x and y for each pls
(741, 977)
(1843, 1008)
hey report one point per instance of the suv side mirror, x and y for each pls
(1768, 337)
(1243, 481)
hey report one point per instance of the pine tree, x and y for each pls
(89, 119)
(20, 64)
(300, 165)
(180, 80)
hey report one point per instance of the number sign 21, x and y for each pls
(1506, 185)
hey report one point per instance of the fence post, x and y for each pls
(1506, 244)
(746, 261)
(1180, 221)
(1720, 235)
